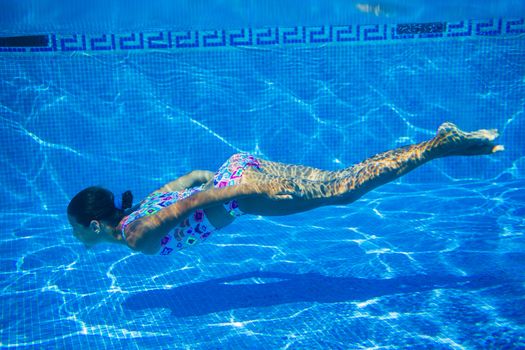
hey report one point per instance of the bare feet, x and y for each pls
(453, 141)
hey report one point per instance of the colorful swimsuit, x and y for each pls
(230, 173)
(196, 228)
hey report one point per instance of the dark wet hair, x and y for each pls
(97, 203)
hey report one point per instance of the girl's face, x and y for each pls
(89, 235)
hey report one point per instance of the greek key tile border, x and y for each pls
(283, 36)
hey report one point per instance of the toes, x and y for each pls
(494, 133)
(491, 134)
(498, 148)
(488, 135)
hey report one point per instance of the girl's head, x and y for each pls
(94, 215)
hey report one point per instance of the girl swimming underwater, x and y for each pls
(188, 210)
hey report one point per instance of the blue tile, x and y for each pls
(347, 33)
(131, 43)
(158, 41)
(73, 43)
(516, 26)
(463, 28)
(214, 38)
(103, 43)
(374, 32)
(268, 36)
(186, 39)
(320, 34)
(486, 28)
(241, 37)
(297, 35)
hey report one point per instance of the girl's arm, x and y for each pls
(192, 179)
(144, 234)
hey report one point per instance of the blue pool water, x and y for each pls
(432, 260)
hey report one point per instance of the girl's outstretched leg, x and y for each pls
(349, 184)
(455, 140)
(385, 167)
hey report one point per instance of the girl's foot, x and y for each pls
(453, 141)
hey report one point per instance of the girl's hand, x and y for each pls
(134, 234)
(143, 235)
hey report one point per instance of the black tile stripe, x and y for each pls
(419, 28)
(25, 41)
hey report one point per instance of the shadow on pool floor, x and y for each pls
(220, 295)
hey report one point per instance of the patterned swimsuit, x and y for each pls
(196, 228)
(230, 173)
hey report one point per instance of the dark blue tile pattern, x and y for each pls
(347, 33)
(214, 38)
(375, 32)
(298, 35)
(490, 27)
(320, 34)
(269, 36)
(241, 37)
(186, 39)
(515, 26)
(132, 42)
(459, 29)
(105, 42)
(160, 41)
(73, 43)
